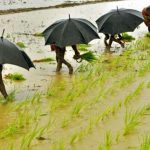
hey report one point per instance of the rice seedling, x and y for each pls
(132, 119)
(77, 109)
(74, 138)
(15, 77)
(126, 80)
(145, 145)
(126, 37)
(10, 98)
(89, 56)
(21, 44)
(49, 59)
(143, 69)
(28, 138)
(108, 140)
(135, 93)
(101, 147)
(118, 136)
(65, 123)
(9, 131)
(11, 146)
(35, 99)
(83, 47)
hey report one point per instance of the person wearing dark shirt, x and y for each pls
(146, 16)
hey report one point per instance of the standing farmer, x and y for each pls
(146, 15)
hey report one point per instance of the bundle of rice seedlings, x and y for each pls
(89, 56)
(83, 47)
(127, 37)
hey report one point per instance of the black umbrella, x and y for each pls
(11, 54)
(70, 31)
(119, 21)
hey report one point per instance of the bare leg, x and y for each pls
(74, 47)
(2, 86)
(105, 40)
(68, 65)
(149, 28)
(110, 41)
(60, 58)
(59, 65)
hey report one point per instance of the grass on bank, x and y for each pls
(15, 77)
(38, 34)
(48, 59)
(21, 44)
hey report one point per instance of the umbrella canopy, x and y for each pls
(70, 31)
(119, 21)
(11, 54)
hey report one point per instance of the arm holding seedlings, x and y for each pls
(77, 53)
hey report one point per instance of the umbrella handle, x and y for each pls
(79, 60)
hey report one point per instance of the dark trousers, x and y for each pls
(2, 86)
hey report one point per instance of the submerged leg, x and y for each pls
(68, 65)
(59, 65)
(2, 86)
(105, 40)
(149, 28)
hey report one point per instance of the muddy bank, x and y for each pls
(64, 5)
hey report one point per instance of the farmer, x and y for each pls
(2, 86)
(146, 15)
(113, 38)
(60, 53)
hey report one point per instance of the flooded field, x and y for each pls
(14, 4)
(104, 105)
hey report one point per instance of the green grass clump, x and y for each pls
(21, 44)
(38, 34)
(147, 35)
(127, 37)
(83, 47)
(15, 77)
(145, 145)
(89, 56)
(43, 60)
